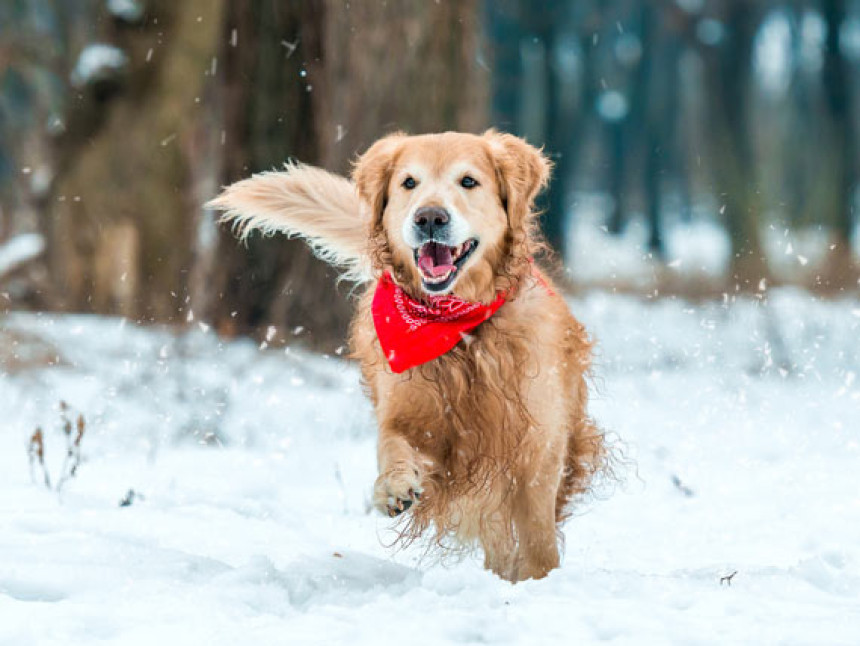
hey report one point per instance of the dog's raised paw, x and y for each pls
(397, 490)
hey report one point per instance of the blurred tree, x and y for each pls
(117, 217)
(118, 119)
(565, 33)
(409, 65)
(838, 79)
(505, 31)
(623, 105)
(728, 68)
(272, 55)
(662, 48)
(319, 82)
(640, 109)
(543, 89)
(797, 172)
(141, 136)
(31, 48)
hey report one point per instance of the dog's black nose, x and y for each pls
(430, 219)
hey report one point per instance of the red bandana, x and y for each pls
(412, 333)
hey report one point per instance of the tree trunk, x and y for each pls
(409, 65)
(272, 55)
(842, 269)
(505, 35)
(319, 82)
(661, 55)
(565, 100)
(728, 69)
(117, 222)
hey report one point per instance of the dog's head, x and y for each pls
(452, 212)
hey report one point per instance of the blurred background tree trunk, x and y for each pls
(409, 65)
(760, 97)
(565, 109)
(728, 69)
(117, 220)
(542, 89)
(319, 82)
(506, 35)
(841, 269)
(272, 55)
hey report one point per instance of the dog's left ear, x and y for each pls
(523, 171)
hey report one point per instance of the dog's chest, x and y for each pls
(467, 401)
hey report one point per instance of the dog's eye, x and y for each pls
(468, 182)
(409, 183)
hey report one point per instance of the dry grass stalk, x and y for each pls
(72, 459)
(73, 446)
(728, 578)
(36, 452)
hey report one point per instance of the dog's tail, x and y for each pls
(307, 202)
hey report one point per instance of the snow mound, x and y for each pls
(18, 250)
(98, 62)
(737, 518)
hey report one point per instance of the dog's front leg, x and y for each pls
(398, 486)
(534, 506)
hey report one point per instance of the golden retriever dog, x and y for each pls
(474, 364)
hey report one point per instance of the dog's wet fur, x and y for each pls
(489, 443)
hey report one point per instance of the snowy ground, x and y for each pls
(742, 423)
(698, 251)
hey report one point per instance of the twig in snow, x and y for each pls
(680, 486)
(728, 578)
(74, 433)
(130, 496)
(73, 447)
(36, 451)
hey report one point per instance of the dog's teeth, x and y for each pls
(433, 280)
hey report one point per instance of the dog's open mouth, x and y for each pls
(439, 263)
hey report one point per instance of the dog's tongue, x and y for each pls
(435, 259)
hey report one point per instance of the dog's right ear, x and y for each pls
(372, 172)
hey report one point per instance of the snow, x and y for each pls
(127, 10)
(698, 249)
(772, 54)
(98, 61)
(18, 250)
(252, 472)
(612, 105)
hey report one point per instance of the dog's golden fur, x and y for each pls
(495, 433)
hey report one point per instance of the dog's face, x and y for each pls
(450, 211)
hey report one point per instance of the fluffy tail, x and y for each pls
(307, 202)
